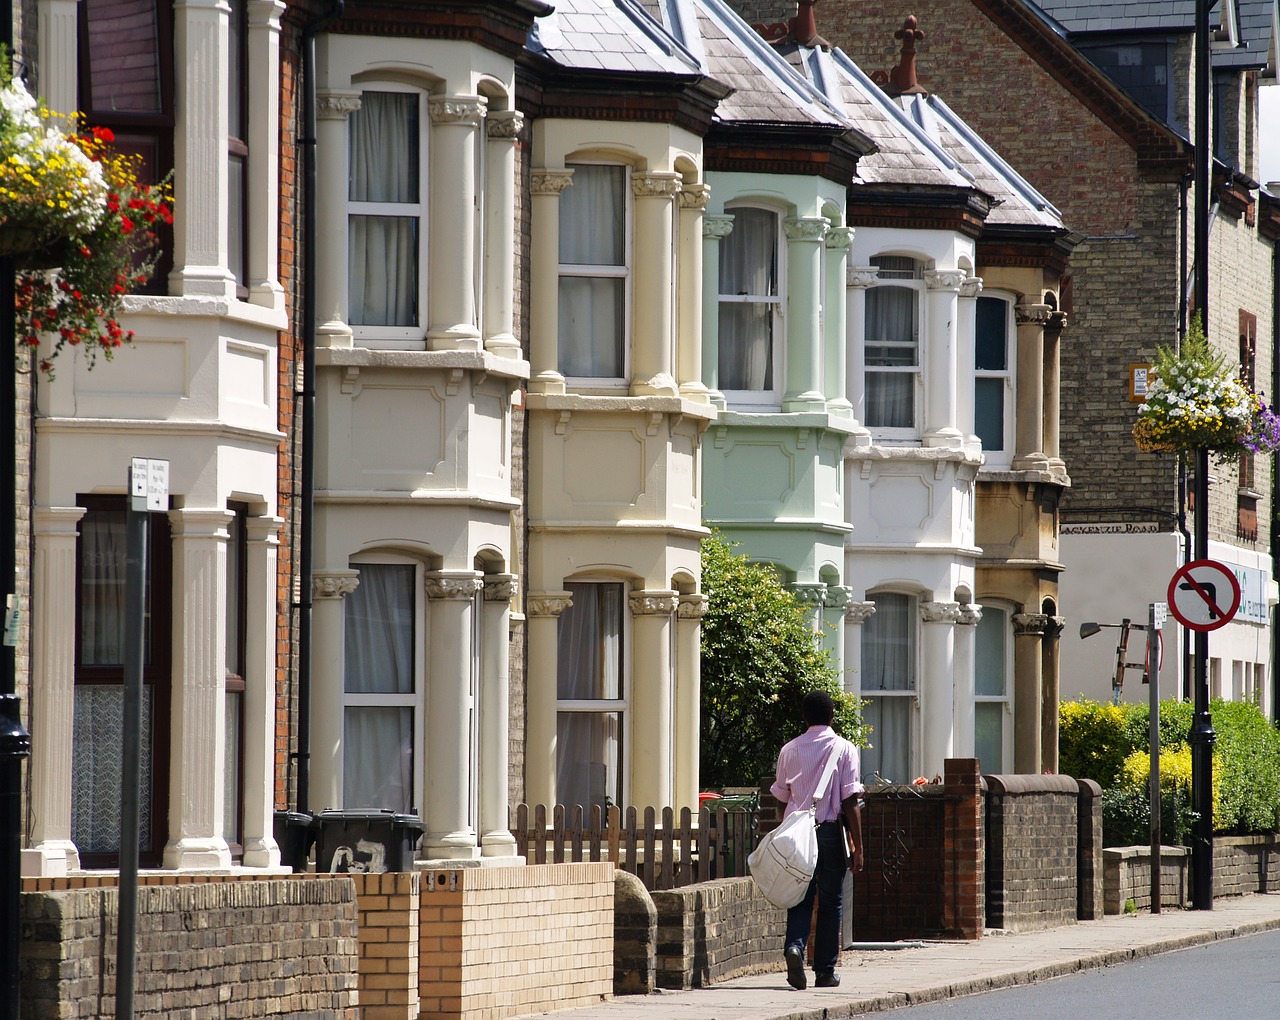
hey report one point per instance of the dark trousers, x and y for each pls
(828, 886)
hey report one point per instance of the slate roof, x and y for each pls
(608, 35)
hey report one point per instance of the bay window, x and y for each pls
(993, 667)
(750, 327)
(993, 378)
(238, 148)
(594, 272)
(889, 685)
(893, 343)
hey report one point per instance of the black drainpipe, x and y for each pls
(306, 511)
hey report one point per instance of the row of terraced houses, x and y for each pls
(478, 315)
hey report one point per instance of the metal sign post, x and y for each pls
(148, 491)
(1155, 623)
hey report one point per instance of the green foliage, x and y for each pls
(1247, 759)
(760, 657)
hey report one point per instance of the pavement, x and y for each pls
(881, 979)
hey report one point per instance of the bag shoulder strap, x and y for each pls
(827, 773)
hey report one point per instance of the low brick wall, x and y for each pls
(264, 948)
(500, 942)
(635, 936)
(1089, 848)
(713, 931)
(1127, 876)
(1246, 864)
(1032, 842)
(389, 911)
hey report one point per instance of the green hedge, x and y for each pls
(1095, 739)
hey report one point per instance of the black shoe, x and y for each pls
(827, 981)
(795, 967)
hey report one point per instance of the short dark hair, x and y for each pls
(818, 709)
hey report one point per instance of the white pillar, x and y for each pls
(449, 831)
(545, 187)
(834, 340)
(332, 110)
(1029, 452)
(651, 316)
(455, 128)
(264, 151)
(197, 727)
(651, 703)
(495, 838)
(805, 235)
(328, 589)
(58, 33)
(1052, 392)
(260, 849)
(965, 714)
(940, 368)
(714, 230)
(502, 130)
(834, 603)
(688, 695)
(858, 279)
(200, 171)
(693, 203)
(937, 683)
(543, 609)
(53, 679)
(855, 615)
(967, 360)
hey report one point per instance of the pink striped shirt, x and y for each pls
(800, 766)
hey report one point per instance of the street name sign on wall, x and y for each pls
(1204, 595)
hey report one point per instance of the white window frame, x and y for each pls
(770, 399)
(611, 272)
(1003, 455)
(412, 337)
(604, 706)
(912, 692)
(916, 371)
(416, 699)
(1006, 611)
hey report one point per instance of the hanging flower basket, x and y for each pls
(1196, 403)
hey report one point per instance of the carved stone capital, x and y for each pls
(837, 596)
(334, 584)
(862, 277)
(504, 124)
(1029, 624)
(1057, 321)
(549, 182)
(1054, 626)
(971, 287)
(441, 586)
(939, 612)
(692, 607)
(805, 228)
(944, 279)
(859, 612)
(547, 603)
(717, 227)
(457, 109)
(654, 603)
(500, 587)
(838, 238)
(970, 614)
(655, 184)
(1027, 315)
(808, 594)
(336, 105)
(695, 196)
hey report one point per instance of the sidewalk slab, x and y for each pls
(877, 980)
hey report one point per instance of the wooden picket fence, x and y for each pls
(666, 855)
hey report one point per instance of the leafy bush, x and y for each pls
(760, 657)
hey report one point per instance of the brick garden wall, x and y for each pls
(224, 949)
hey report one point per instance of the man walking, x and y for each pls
(801, 765)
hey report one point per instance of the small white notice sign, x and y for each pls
(149, 484)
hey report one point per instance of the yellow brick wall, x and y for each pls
(388, 909)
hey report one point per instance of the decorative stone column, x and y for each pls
(502, 130)
(495, 704)
(200, 171)
(53, 690)
(965, 713)
(545, 188)
(1028, 631)
(264, 143)
(1052, 391)
(805, 235)
(811, 596)
(651, 340)
(834, 341)
(328, 683)
(942, 288)
(855, 615)
(451, 305)
(834, 603)
(57, 28)
(714, 230)
(688, 712)
(857, 280)
(541, 694)
(450, 833)
(651, 702)
(966, 406)
(1029, 431)
(937, 683)
(197, 724)
(260, 849)
(1049, 648)
(332, 283)
(693, 203)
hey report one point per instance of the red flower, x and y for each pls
(105, 135)
(126, 224)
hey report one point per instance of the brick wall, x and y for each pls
(1128, 877)
(1089, 851)
(635, 936)
(263, 948)
(1246, 864)
(1032, 840)
(389, 944)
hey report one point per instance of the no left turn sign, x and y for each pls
(1204, 595)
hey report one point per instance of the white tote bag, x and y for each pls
(782, 865)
